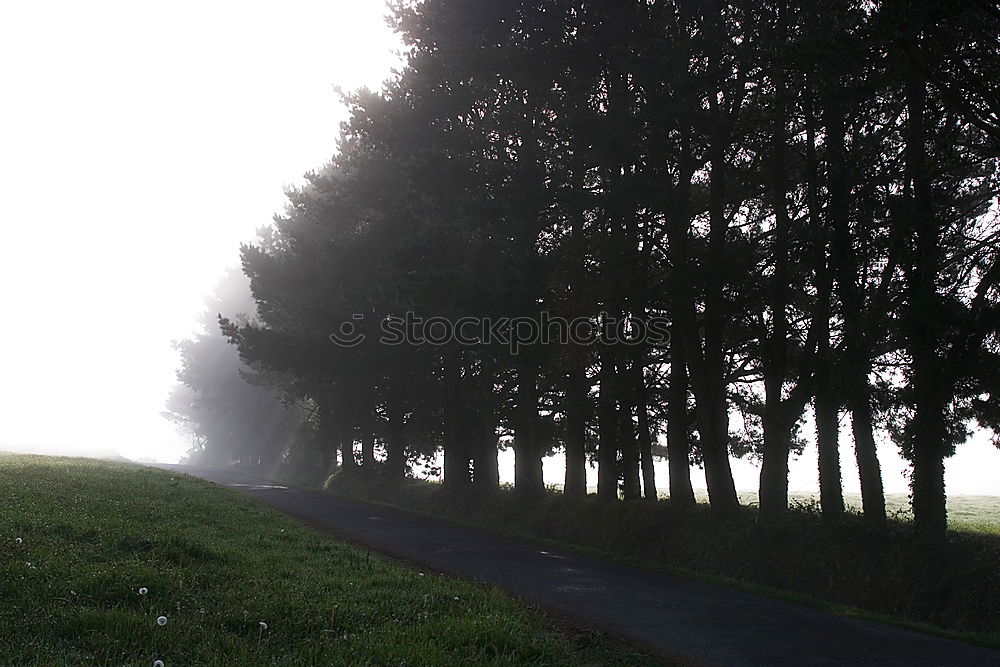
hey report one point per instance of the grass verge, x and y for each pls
(844, 567)
(237, 583)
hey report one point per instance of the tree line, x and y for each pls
(231, 412)
(805, 192)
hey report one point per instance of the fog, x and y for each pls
(139, 146)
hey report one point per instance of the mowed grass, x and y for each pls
(78, 539)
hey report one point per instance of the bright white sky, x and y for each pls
(140, 143)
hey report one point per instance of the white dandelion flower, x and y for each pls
(17, 540)
(162, 620)
(157, 663)
(263, 625)
(143, 590)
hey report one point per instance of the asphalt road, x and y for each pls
(680, 619)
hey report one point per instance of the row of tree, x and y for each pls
(232, 413)
(805, 191)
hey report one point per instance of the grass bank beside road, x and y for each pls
(92, 554)
(841, 565)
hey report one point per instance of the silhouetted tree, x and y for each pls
(802, 191)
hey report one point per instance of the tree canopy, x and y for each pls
(803, 195)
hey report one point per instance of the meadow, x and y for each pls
(115, 564)
(965, 513)
(969, 513)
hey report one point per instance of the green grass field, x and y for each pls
(237, 583)
(970, 513)
(967, 513)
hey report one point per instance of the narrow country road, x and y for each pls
(677, 618)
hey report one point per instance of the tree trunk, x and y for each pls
(631, 489)
(706, 365)
(645, 439)
(576, 427)
(395, 462)
(712, 413)
(678, 442)
(869, 469)
(577, 387)
(930, 516)
(706, 359)
(368, 449)
(456, 453)
(856, 362)
(329, 436)
(927, 431)
(486, 469)
(709, 377)
(831, 493)
(774, 467)
(367, 428)
(349, 463)
(328, 444)
(774, 462)
(527, 457)
(607, 426)
(826, 406)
